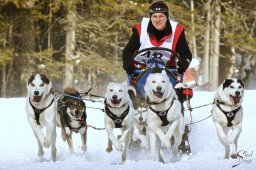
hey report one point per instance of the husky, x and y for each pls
(140, 129)
(72, 117)
(119, 113)
(227, 114)
(41, 112)
(165, 119)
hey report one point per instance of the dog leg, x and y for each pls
(40, 149)
(84, 139)
(113, 139)
(49, 134)
(53, 145)
(127, 142)
(163, 138)
(152, 137)
(222, 138)
(233, 148)
(70, 143)
(159, 150)
(109, 148)
(233, 135)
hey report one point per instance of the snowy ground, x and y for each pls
(18, 147)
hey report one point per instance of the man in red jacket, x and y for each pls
(158, 31)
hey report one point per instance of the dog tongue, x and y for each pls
(37, 99)
(236, 100)
(158, 94)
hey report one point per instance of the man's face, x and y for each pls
(159, 21)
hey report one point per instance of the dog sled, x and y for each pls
(152, 60)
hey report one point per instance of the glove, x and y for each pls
(128, 67)
(181, 71)
(183, 64)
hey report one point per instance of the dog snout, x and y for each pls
(140, 119)
(76, 112)
(158, 88)
(114, 97)
(237, 93)
(36, 93)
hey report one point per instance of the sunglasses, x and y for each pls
(155, 10)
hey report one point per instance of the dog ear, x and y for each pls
(131, 89)
(241, 82)
(163, 72)
(227, 83)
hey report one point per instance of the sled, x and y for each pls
(146, 62)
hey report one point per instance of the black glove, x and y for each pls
(181, 70)
(183, 64)
(128, 67)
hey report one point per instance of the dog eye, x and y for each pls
(153, 81)
(163, 81)
(240, 87)
(71, 106)
(231, 87)
(32, 84)
(41, 85)
(120, 90)
(111, 90)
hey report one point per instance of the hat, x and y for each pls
(159, 7)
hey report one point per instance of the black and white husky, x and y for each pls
(41, 112)
(227, 114)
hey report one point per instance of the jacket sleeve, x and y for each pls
(185, 54)
(130, 50)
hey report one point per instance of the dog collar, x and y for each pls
(229, 115)
(162, 114)
(117, 120)
(39, 111)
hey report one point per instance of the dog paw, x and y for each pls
(233, 156)
(84, 148)
(119, 147)
(46, 143)
(109, 149)
(167, 143)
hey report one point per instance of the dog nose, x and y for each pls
(114, 97)
(158, 88)
(77, 112)
(238, 93)
(140, 119)
(36, 93)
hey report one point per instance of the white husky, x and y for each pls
(41, 112)
(119, 114)
(227, 114)
(165, 119)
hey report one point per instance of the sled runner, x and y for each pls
(148, 61)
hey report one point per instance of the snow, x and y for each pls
(18, 147)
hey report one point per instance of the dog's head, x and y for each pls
(234, 89)
(117, 94)
(39, 86)
(158, 87)
(74, 105)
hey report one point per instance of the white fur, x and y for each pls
(161, 135)
(120, 92)
(228, 136)
(140, 128)
(47, 117)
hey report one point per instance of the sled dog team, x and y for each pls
(160, 127)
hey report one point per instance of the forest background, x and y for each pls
(79, 43)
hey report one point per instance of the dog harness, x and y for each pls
(39, 111)
(117, 120)
(162, 115)
(229, 115)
